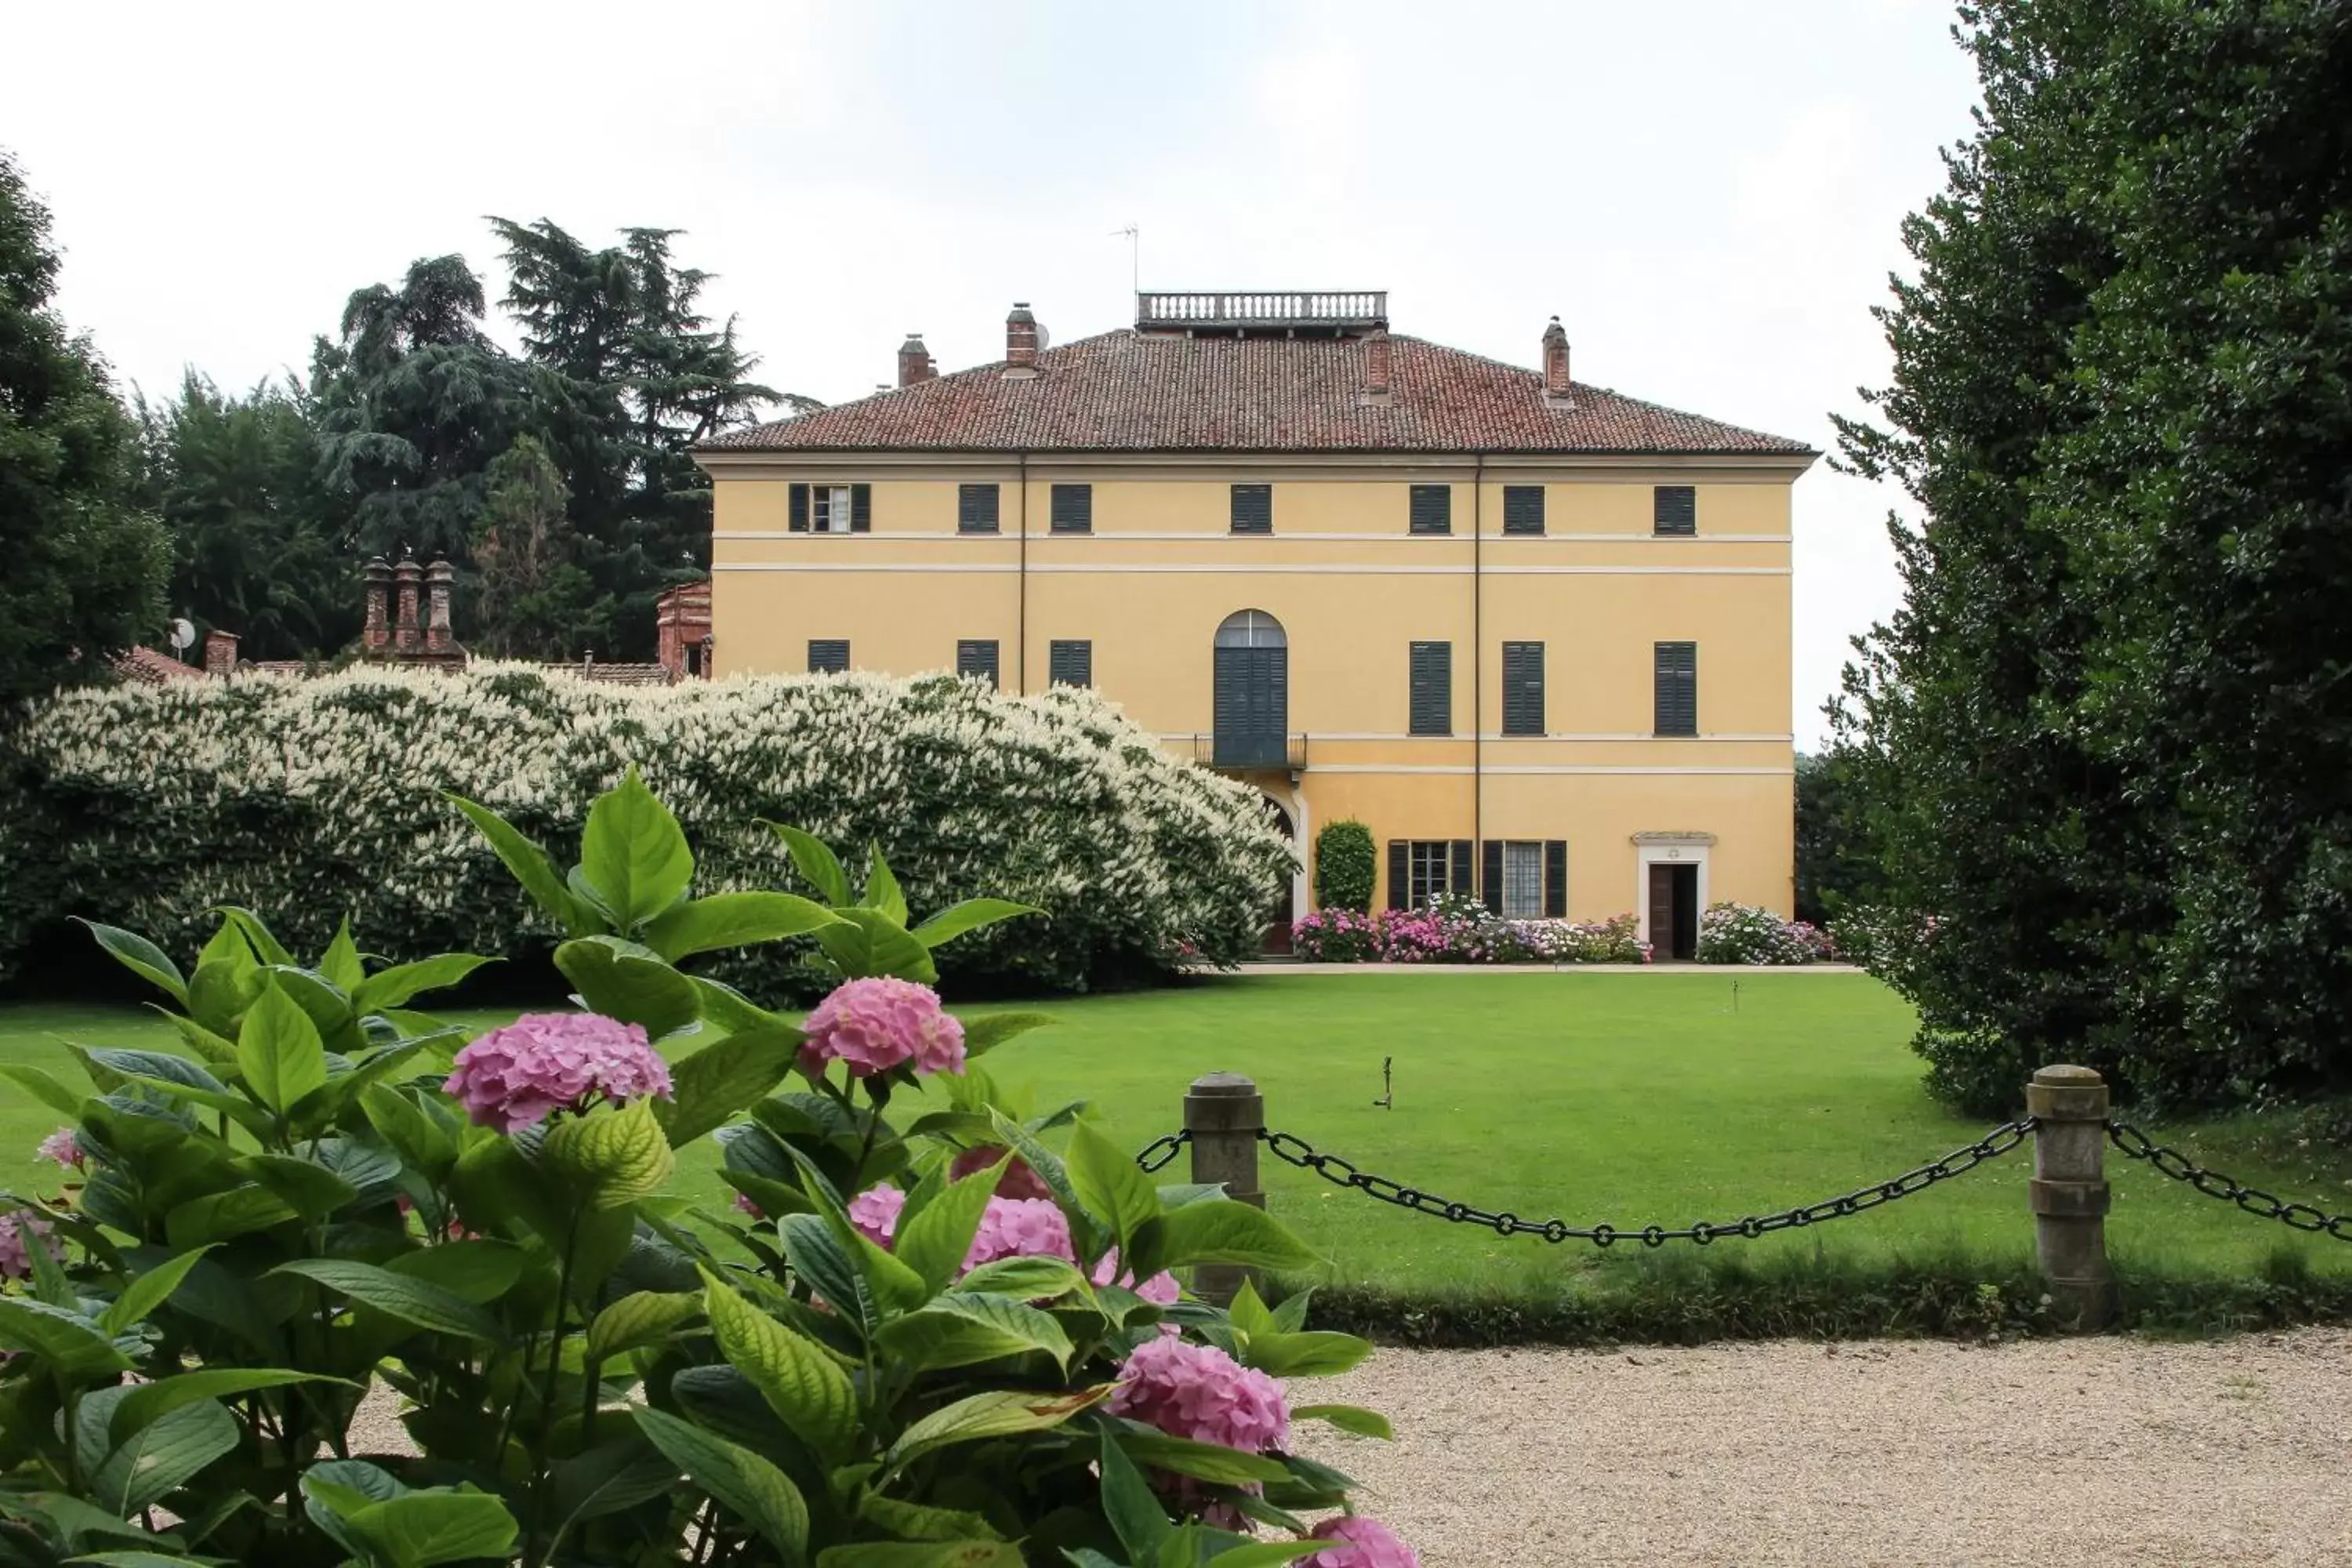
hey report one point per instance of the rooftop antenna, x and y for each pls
(1133, 235)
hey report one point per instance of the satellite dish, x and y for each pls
(1044, 338)
(183, 636)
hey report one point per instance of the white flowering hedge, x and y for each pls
(311, 800)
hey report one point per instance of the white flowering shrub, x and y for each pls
(317, 799)
(1746, 933)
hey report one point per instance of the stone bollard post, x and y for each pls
(1225, 1113)
(2069, 1106)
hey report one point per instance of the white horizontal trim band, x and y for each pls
(1563, 736)
(1212, 536)
(1465, 770)
(1268, 569)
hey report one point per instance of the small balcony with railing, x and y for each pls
(1250, 752)
(1263, 313)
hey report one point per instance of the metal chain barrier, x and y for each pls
(2138, 1145)
(1156, 1154)
(1296, 1151)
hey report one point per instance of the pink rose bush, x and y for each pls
(1201, 1392)
(1362, 1543)
(542, 1063)
(18, 1232)
(874, 1025)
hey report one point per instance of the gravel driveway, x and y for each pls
(2057, 1452)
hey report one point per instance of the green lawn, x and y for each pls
(1625, 1099)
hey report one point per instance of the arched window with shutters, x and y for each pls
(1252, 711)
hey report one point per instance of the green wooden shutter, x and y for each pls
(1070, 662)
(976, 509)
(1462, 868)
(1556, 877)
(977, 657)
(1677, 688)
(828, 654)
(1253, 508)
(1431, 509)
(796, 508)
(1523, 509)
(861, 509)
(1523, 689)
(1073, 509)
(1431, 677)
(1491, 876)
(1674, 509)
(1400, 873)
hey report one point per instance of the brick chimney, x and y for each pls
(220, 654)
(1019, 344)
(1377, 382)
(377, 632)
(437, 579)
(915, 361)
(1555, 363)
(405, 577)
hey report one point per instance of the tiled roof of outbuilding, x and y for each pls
(1151, 391)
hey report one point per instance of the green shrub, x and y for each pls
(311, 1203)
(1344, 867)
(151, 806)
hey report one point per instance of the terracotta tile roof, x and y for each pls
(149, 667)
(1128, 391)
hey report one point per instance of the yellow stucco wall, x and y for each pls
(1352, 589)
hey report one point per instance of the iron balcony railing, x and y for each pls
(1231, 311)
(1250, 752)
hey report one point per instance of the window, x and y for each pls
(1421, 869)
(1523, 509)
(1432, 689)
(1527, 879)
(828, 654)
(1074, 509)
(1677, 688)
(1431, 509)
(976, 509)
(830, 509)
(977, 657)
(1523, 689)
(1070, 663)
(1674, 509)
(1253, 508)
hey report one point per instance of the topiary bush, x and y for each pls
(957, 1338)
(1344, 867)
(154, 805)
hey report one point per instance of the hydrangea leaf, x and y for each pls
(610, 1158)
(805, 1388)
(635, 854)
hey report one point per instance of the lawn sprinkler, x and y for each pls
(1735, 993)
(1387, 1102)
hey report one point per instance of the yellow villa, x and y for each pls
(1533, 633)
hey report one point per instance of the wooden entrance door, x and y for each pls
(1285, 908)
(1674, 913)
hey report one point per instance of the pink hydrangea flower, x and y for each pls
(1160, 1289)
(1018, 1181)
(1020, 1227)
(1362, 1543)
(875, 1212)
(880, 1024)
(545, 1062)
(64, 1147)
(1201, 1392)
(15, 1261)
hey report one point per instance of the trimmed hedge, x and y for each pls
(309, 800)
(1344, 867)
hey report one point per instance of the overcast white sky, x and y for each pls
(1707, 191)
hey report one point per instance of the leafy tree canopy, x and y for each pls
(81, 567)
(2105, 736)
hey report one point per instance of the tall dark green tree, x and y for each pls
(82, 568)
(531, 598)
(415, 402)
(2108, 730)
(647, 375)
(1838, 869)
(258, 537)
